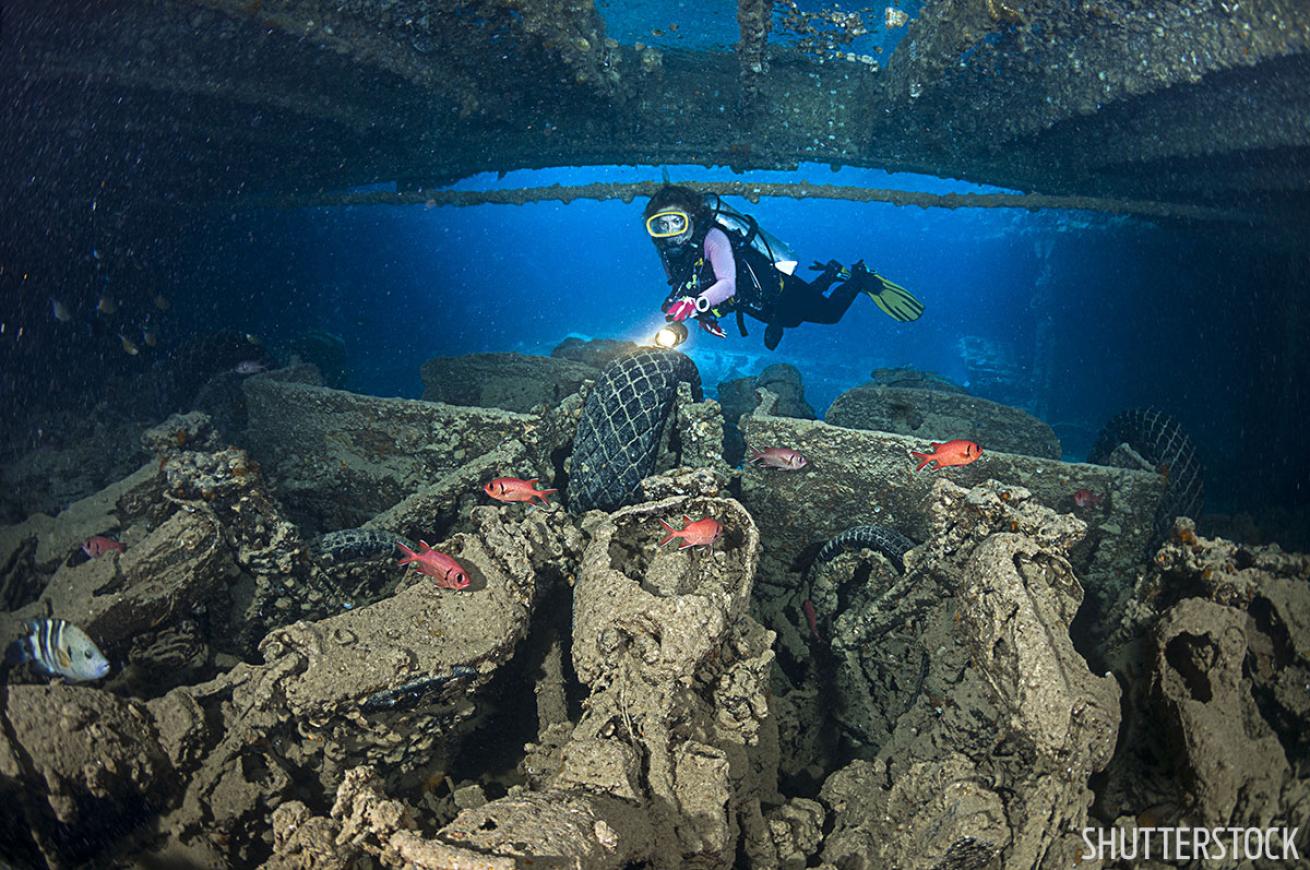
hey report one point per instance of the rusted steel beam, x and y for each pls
(754, 18)
(755, 192)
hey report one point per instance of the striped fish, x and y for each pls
(61, 649)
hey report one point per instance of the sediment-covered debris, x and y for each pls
(677, 670)
(862, 477)
(32, 550)
(1214, 645)
(200, 535)
(908, 378)
(595, 352)
(341, 458)
(674, 752)
(696, 439)
(853, 663)
(222, 398)
(784, 381)
(739, 396)
(76, 763)
(512, 381)
(388, 685)
(937, 415)
(171, 572)
(961, 676)
(439, 505)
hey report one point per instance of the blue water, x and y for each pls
(1131, 307)
(1112, 312)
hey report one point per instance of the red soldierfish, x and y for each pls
(779, 457)
(448, 573)
(808, 606)
(702, 533)
(516, 489)
(97, 545)
(957, 452)
(1085, 498)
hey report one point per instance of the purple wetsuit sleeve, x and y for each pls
(718, 250)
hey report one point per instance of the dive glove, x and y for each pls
(710, 325)
(681, 309)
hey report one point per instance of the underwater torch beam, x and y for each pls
(671, 334)
(754, 192)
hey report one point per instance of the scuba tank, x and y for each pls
(777, 251)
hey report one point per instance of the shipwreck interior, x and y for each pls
(858, 665)
(131, 129)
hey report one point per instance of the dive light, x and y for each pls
(671, 335)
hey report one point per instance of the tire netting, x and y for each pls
(889, 542)
(622, 421)
(1159, 440)
(353, 545)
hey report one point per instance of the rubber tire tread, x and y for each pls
(889, 542)
(623, 418)
(1162, 442)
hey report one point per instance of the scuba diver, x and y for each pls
(719, 261)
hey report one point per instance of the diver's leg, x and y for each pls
(808, 302)
(795, 300)
(832, 308)
(823, 281)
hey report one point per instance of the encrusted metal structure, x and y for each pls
(1184, 102)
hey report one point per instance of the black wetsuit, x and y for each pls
(804, 301)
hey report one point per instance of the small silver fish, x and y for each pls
(106, 305)
(129, 346)
(61, 649)
(249, 367)
(60, 310)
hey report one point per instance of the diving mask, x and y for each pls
(666, 224)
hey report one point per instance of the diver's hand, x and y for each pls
(681, 309)
(711, 326)
(831, 266)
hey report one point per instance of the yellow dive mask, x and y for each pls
(666, 224)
